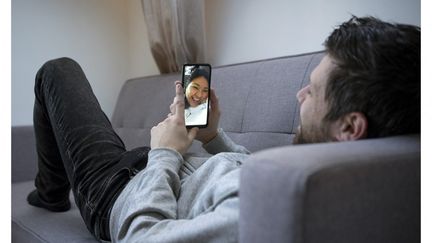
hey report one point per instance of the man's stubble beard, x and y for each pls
(314, 134)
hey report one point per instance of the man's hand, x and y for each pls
(206, 134)
(172, 133)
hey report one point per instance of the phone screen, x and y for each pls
(196, 85)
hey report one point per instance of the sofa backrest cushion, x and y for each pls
(257, 100)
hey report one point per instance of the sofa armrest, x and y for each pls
(24, 159)
(363, 191)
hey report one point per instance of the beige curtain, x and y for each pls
(176, 32)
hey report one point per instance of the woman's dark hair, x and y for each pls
(377, 73)
(199, 72)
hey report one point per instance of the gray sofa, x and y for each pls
(363, 191)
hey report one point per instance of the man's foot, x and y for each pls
(34, 199)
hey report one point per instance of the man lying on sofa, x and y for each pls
(366, 86)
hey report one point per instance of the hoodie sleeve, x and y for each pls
(223, 143)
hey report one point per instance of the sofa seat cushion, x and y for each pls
(32, 224)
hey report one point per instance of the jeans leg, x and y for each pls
(77, 146)
(51, 180)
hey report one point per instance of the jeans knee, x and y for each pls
(50, 71)
(62, 62)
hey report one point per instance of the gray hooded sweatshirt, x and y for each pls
(182, 199)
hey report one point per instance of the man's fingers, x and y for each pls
(172, 108)
(179, 110)
(214, 100)
(179, 97)
(178, 106)
(179, 89)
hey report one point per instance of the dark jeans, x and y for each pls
(77, 146)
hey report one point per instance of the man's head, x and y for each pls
(367, 85)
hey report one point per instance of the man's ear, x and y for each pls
(352, 126)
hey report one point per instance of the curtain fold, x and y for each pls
(176, 31)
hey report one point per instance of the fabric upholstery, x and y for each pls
(30, 224)
(24, 166)
(363, 191)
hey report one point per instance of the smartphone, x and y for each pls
(196, 80)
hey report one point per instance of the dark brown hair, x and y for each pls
(377, 73)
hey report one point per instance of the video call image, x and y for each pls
(197, 90)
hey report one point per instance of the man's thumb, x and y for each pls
(192, 133)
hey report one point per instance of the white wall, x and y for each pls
(245, 30)
(96, 33)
